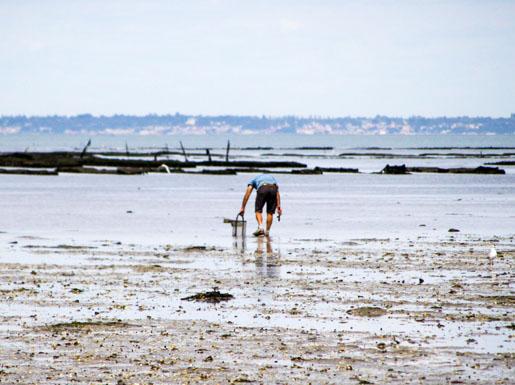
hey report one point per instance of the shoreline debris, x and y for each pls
(214, 296)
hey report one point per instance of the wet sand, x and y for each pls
(360, 311)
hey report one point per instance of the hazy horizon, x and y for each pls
(299, 116)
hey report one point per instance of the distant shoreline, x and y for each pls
(231, 124)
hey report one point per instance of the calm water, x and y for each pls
(48, 142)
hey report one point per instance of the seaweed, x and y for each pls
(367, 311)
(209, 296)
(84, 325)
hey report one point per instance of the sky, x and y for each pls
(243, 57)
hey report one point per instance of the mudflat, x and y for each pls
(318, 311)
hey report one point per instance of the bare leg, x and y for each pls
(269, 220)
(259, 219)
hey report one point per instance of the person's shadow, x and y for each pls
(267, 262)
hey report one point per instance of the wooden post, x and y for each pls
(85, 148)
(184, 152)
(208, 154)
(227, 152)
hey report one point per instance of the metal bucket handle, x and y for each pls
(236, 222)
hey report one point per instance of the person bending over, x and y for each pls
(267, 192)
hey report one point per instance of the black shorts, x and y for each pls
(266, 194)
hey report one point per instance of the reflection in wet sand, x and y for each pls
(239, 245)
(267, 263)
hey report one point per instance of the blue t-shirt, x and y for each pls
(262, 179)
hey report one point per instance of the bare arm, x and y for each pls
(245, 199)
(279, 209)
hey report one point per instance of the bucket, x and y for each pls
(238, 226)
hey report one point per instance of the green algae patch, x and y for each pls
(502, 300)
(367, 311)
(84, 325)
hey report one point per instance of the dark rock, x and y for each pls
(130, 171)
(254, 164)
(307, 171)
(436, 170)
(73, 159)
(216, 172)
(256, 170)
(84, 170)
(195, 248)
(27, 172)
(459, 170)
(256, 148)
(337, 169)
(502, 163)
(209, 296)
(487, 170)
(395, 170)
